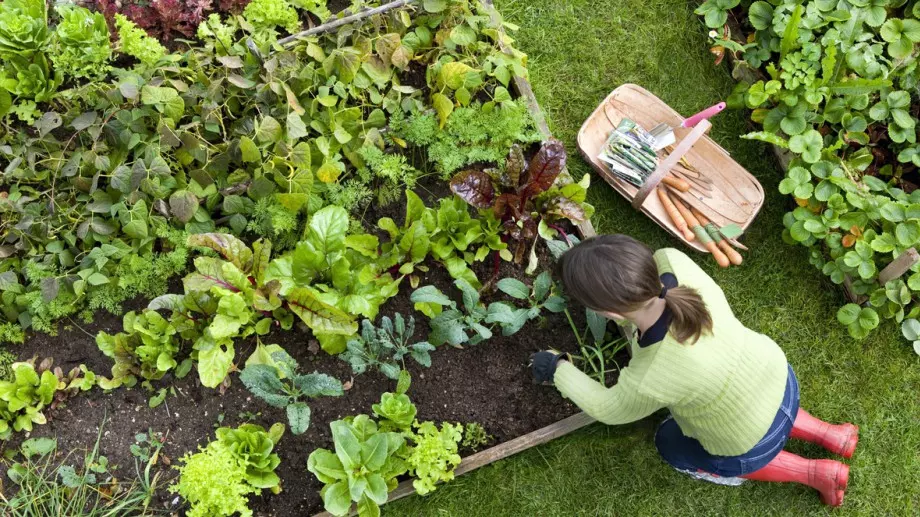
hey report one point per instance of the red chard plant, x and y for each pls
(525, 195)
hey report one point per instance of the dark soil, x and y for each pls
(489, 384)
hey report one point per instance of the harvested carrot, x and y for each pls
(672, 211)
(676, 183)
(701, 235)
(733, 256)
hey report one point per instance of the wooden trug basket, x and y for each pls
(736, 196)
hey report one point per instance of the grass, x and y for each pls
(579, 51)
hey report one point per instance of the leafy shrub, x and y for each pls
(278, 383)
(385, 348)
(83, 48)
(23, 397)
(838, 88)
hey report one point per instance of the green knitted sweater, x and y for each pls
(724, 390)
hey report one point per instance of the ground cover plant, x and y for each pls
(836, 84)
(266, 177)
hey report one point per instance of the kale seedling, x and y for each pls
(386, 347)
(448, 323)
(280, 385)
(541, 296)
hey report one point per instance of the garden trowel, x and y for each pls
(664, 134)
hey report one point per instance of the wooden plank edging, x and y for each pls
(500, 451)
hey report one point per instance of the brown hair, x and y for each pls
(616, 273)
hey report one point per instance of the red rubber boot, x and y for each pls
(840, 439)
(828, 477)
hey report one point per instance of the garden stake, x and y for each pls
(701, 234)
(713, 232)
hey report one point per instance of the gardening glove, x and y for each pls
(543, 365)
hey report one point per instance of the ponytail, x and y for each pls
(689, 316)
(617, 273)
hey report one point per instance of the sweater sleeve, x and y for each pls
(620, 404)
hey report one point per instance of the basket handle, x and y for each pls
(669, 162)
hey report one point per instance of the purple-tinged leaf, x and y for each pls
(563, 207)
(506, 206)
(232, 249)
(544, 168)
(474, 187)
(514, 167)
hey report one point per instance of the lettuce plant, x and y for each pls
(23, 398)
(522, 196)
(147, 347)
(214, 482)
(23, 27)
(385, 348)
(363, 469)
(280, 385)
(433, 455)
(83, 47)
(447, 232)
(268, 14)
(134, 42)
(396, 411)
(253, 445)
(30, 78)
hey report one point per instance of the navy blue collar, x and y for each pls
(657, 332)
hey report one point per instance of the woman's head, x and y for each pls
(618, 274)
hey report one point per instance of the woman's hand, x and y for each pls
(543, 365)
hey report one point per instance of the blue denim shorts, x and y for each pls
(685, 453)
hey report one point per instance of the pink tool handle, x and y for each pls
(706, 113)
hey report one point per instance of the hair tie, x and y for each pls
(664, 292)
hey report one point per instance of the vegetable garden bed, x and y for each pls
(234, 305)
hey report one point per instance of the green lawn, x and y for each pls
(579, 51)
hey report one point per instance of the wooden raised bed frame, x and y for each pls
(585, 229)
